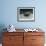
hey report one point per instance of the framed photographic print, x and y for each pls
(26, 14)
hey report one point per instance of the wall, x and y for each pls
(8, 13)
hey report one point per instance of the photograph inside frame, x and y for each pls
(26, 14)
